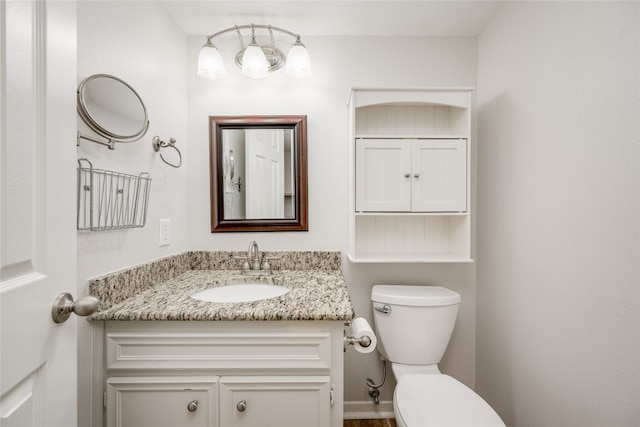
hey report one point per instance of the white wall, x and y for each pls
(338, 63)
(558, 245)
(140, 43)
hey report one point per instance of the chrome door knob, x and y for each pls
(64, 305)
(241, 406)
(416, 175)
(192, 406)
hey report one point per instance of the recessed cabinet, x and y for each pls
(410, 175)
(224, 374)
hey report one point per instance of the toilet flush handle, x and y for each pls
(386, 309)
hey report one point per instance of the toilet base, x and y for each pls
(399, 370)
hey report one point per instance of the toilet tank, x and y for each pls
(413, 324)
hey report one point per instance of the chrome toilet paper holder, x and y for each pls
(362, 341)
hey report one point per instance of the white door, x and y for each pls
(265, 173)
(439, 174)
(383, 175)
(37, 212)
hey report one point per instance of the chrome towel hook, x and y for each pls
(158, 144)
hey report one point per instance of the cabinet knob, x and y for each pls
(241, 406)
(407, 175)
(416, 175)
(192, 406)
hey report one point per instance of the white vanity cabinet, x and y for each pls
(410, 175)
(224, 374)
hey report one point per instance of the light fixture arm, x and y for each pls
(237, 28)
(237, 31)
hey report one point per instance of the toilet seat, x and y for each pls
(440, 400)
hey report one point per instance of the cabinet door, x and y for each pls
(275, 401)
(439, 174)
(383, 175)
(162, 402)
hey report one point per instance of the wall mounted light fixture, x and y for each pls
(255, 60)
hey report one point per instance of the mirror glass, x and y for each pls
(258, 173)
(112, 108)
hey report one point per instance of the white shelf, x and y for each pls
(358, 213)
(416, 136)
(406, 258)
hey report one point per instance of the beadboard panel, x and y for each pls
(412, 237)
(410, 120)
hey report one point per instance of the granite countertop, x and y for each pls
(316, 294)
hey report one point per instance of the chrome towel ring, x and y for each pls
(158, 144)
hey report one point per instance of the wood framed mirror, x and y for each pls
(258, 173)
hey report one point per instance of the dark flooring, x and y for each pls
(370, 423)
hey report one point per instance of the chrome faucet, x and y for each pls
(253, 255)
(253, 266)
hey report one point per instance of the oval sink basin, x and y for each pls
(242, 292)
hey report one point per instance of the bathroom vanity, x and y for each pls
(172, 360)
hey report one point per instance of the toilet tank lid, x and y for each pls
(414, 295)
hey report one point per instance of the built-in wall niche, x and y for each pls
(410, 153)
(411, 238)
(411, 120)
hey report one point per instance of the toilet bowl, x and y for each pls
(413, 326)
(440, 400)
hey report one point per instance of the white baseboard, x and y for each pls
(366, 410)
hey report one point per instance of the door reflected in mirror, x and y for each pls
(258, 173)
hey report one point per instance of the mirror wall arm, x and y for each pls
(109, 143)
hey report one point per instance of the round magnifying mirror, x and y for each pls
(112, 108)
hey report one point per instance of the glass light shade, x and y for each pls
(254, 63)
(210, 63)
(298, 61)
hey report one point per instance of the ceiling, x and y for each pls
(344, 18)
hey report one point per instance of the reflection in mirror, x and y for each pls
(112, 109)
(258, 173)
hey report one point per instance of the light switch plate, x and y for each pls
(164, 232)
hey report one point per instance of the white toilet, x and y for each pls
(413, 326)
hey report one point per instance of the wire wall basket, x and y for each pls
(110, 200)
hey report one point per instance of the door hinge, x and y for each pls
(331, 401)
(104, 399)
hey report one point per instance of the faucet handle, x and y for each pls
(265, 263)
(245, 265)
